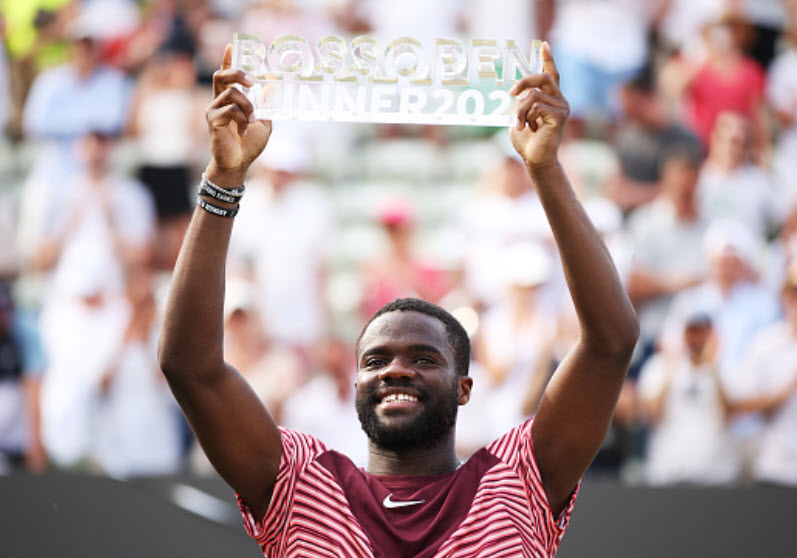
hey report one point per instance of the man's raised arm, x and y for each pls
(576, 409)
(232, 425)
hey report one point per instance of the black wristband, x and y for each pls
(229, 195)
(216, 210)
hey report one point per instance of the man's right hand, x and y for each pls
(235, 141)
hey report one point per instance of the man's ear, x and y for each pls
(465, 385)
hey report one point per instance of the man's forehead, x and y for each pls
(405, 326)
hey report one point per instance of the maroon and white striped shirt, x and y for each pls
(493, 506)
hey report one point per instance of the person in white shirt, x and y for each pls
(769, 387)
(687, 408)
(731, 186)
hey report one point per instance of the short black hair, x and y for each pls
(457, 336)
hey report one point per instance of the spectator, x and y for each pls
(138, 426)
(667, 256)
(21, 366)
(516, 342)
(646, 135)
(273, 369)
(398, 272)
(116, 230)
(282, 236)
(324, 406)
(687, 407)
(738, 305)
(770, 387)
(505, 210)
(731, 186)
(166, 125)
(80, 331)
(591, 74)
(716, 79)
(69, 101)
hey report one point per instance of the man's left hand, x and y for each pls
(541, 113)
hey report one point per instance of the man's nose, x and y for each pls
(395, 370)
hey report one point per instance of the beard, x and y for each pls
(437, 418)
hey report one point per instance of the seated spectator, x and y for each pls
(731, 186)
(667, 256)
(738, 305)
(644, 138)
(503, 211)
(686, 405)
(516, 342)
(138, 426)
(273, 369)
(281, 240)
(768, 385)
(324, 406)
(21, 366)
(80, 332)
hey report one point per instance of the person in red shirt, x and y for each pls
(722, 79)
(414, 499)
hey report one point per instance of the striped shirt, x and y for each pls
(492, 506)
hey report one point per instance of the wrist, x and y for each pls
(543, 168)
(225, 178)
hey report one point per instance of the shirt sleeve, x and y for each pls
(298, 451)
(517, 449)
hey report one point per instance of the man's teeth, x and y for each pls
(398, 397)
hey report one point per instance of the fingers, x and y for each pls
(534, 103)
(547, 80)
(231, 104)
(224, 78)
(543, 81)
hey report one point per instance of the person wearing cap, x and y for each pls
(731, 293)
(686, 407)
(297, 496)
(768, 386)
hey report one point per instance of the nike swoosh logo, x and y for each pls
(388, 503)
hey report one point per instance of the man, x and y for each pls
(414, 498)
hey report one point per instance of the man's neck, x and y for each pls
(437, 460)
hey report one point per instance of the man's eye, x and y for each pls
(425, 360)
(373, 362)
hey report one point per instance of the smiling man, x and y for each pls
(414, 499)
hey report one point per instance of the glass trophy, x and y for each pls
(451, 81)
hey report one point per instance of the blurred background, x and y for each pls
(682, 145)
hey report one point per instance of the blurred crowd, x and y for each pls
(682, 144)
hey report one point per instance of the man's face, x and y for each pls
(408, 389)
